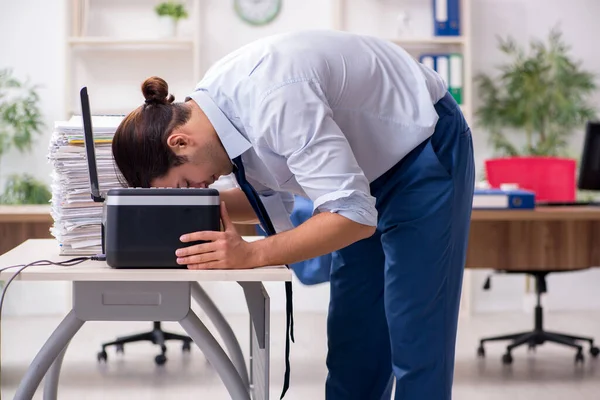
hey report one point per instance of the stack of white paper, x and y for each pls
(77, 218)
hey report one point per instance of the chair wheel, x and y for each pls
(480, 352)
(594, 351)
(160, 359)
(531, 347)
(120, 348)
(579, 358)
(186, 347)
(102, 356)
(507, 359)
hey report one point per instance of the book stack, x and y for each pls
(77, 218)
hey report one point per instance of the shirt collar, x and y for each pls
(235, 144)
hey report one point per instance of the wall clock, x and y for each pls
(257, 12)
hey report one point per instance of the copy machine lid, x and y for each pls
(163, 192)
(163, 197)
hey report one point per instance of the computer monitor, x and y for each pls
(589, 168)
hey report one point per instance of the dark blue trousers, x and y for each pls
(395, 296)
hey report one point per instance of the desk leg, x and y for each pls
(52, 377)
(259, 307)
(49, 352)
(216, 356)
(224, 329)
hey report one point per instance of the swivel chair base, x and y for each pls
(156, 336)
(538, 335)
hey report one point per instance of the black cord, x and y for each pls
(67, 263)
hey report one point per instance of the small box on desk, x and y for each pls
(498, 199)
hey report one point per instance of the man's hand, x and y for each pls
(223, 250)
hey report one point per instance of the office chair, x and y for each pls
(156, 336)
(589, 179)
(538, 335)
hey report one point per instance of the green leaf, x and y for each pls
(25, 189)
(171, 9)
(540, 92)
(20, 116)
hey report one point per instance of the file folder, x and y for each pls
(497, 199)
(455, 83)
(450, 68)
(428, 61)
(446, 17)
(442, 67)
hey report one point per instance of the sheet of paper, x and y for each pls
(77, 219)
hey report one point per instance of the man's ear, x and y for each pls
(179, 142)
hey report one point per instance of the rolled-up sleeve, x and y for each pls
(298, 124)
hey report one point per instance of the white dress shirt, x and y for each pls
(320, 114)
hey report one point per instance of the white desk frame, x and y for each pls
(101, 293)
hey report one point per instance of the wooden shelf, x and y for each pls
(120, 42)
(84, 42)
(435, 40)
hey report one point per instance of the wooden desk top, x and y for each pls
(41, 213)
(25, 213)
(567, 213)
(39, 249)
(547, 238)
(544, 239)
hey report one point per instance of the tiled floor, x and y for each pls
(548, 374)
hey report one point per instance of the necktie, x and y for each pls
(267, 225)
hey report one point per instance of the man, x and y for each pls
(376, 142)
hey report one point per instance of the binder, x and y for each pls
(428, 61)
(446, 17)
(455, 83)
(442, 67)
(497, 199)
(450, 68)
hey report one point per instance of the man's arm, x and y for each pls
(298, 125)
(238, 206)
(321, 234)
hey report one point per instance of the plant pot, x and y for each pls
(167, 27)
(551, 178)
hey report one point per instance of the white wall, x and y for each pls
(37, 55)
(40, 57)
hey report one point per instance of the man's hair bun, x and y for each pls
(156, 91)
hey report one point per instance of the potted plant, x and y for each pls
(20, 121)
(531, 109)
(169, 13)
